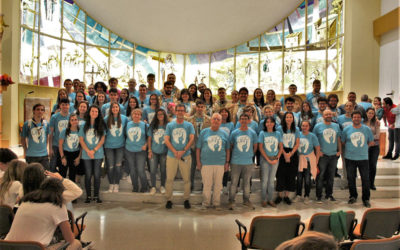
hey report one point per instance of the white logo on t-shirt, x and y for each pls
(62, 125)
(243, 143)
(357, 139)
(214, 143)
(179, 135)
(115, 131)
(159, 136)
(150, 117)
(72, 141)
(329, 135)
(91, 138)
(271, 143)
(134, 134)
(37, 134)
(304, 144)
(288, 140)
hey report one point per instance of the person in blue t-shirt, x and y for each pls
(113, 98)
(69, 148)
(35, 137)
(289, 104)
(228, 127)
(133, 103)
(91, 138)
(249, 110)
(79, 97)
(328, 134)
(345, 119)
(151, 79)
(135, 150)
(179, 137)
(322, 104)
(312, 97)
(212, 157)
(309, 151)
(306, 114)
(271, 147)
(123, 99)
(357, 139)
(81, 111)
(289, 160)
(244, 145)
(143, 98)
(58, 122)
(114, 144)
(157, 152)
(61, 94)
(150, 111)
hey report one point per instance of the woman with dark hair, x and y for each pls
(228, 127)
(133, 103)
(43, 210)
(114, 145)
(278, 112)
(306, 114)
(270, 97)
(62, 94)
(79, 97)
(186, 100)
(100, 87)
(150, 111)
(258, 98)
(157, 152)
(378, 107)
(124, 97)
(289, 160)
(81, 111)
(373, 151)
(270, 147)
(10, 184)
(91, 138)
(100, 99)
(207, 97)
(193, 92)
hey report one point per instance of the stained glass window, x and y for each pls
(30, 13)
(29, 53)
(146, 62)
(247, 71)
(121, 66)
(316, 65)
(49, 59)
(96, 65)
(50, 17)
(95, 33)
(172, 63)
(197, 69)
(334, 70)
(73, 22)
(293, 69)
(72, 60)
(222, 71)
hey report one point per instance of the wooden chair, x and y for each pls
(267, 232)
(320, 222)
(20, 245)
(380, 244)
(378, 223)
(6, 219)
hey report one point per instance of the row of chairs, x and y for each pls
(267, 232)
(7, 217)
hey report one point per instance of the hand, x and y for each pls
(53, 175)
(273, 162)
(287, 158)
(64, 162)
(150, 155)
(91, 154)
(226, 167)
(144, 147)
(176, 155)
(321, 154)
(338, 154)
(77, 161)
(199, 165)
(180, 154)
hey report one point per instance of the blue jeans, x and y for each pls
(92, 167)
(327, 167)
(137, 163)
(114, 157)
(373, 155)
(268, 173)
(158, 159)
(236, 171)
(351, 167)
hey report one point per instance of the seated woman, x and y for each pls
(10, 184)
(43, 210)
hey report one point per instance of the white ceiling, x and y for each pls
(187, 26)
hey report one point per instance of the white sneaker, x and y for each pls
(116, 188)
(297, 199)
(162, 190)
(111, 188)
(153, 190)
(306, 200)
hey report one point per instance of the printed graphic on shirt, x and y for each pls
(199, 127)
(357, 139)
(91, 138)
(243, 143)
(38, 134)
(115, 131)
(134, 134)
(329, 135)
(106, 111)
(150, 117)
(73, 140)
(214, 143)
(288, 140)
(304, 144)
(62, 125)
(179, 135)
(159, 136)
(271, 143)
(315, 102)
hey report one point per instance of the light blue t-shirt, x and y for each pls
(306, 118)
(213, 146)
(165, 101)
(148, 114)
(155, 91)
(289, 138)
(58, 122)
(188, 106)
(270, 142)
(135, 136)
(243, 146)
(105, 109)
(312, 99)
(318, 117)
(365, 105)
(328, 136)
(71, 96)
(253, 125)
(344, 121)
(91, 141)
(228, 127)
(135, 93)
(307, 143)
(71, 142)
(144, 103)
(115, 136)
(357, 140)
(157, 140)
(296, 118)
(37, 137)
(179, 136)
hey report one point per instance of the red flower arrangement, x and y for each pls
(6, 80)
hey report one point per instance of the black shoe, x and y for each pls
(278, 200)
(352, 200)
(395, 157)
(372, 187)
(287, 200)
(330, 198)
(319, 200)
(338, 175)
(97, 200)
(366, 203)
(388, 156)
(88, 199)
(187, 204)
(168, 205)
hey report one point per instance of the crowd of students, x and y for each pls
(290, 139)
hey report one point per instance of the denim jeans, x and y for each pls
(327, 167)
(114, 157)
(305, 177)
(44, 160)
(137, 163)
(71, 168)
(352, 174)
(236, 172)
(158, 159)
(55, 160)
(92, 167)
(268, 173)
(373, 155)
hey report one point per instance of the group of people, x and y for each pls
(189, 129)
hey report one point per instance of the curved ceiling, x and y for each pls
(187, 26)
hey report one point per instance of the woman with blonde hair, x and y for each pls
(10, 184)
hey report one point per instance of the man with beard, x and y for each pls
(167, 97)
(333, 100)
(92, 94)
(237, 109)
(175, 91)
(312, 97)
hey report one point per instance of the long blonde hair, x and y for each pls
(14, 172)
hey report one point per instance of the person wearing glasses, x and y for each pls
(143, 99)
(34, 137)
